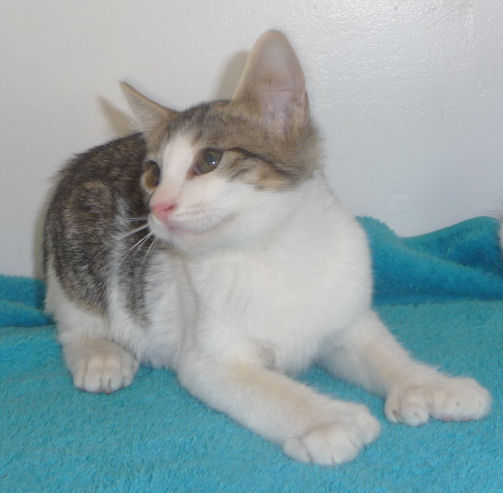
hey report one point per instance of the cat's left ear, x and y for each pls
(273, 85)
(152, 118)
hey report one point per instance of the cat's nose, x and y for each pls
(163, 210)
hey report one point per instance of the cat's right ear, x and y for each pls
(273, 85)
(151, 116)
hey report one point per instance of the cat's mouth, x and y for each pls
(187, 229)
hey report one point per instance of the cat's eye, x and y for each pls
(151, 174)
(207, 161)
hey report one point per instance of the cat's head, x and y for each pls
(225, 171)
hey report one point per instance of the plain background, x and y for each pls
(408, 95)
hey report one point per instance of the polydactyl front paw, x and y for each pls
(444, 398)
(337, 441)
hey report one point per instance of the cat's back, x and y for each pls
(95, 192)
(116, 165)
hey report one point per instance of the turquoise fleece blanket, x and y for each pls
(442, 296)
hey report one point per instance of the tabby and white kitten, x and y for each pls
(211, 244)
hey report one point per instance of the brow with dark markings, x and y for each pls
(254, 155)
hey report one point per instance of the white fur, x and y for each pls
(291, 286)
(179, 154)
(97, 363)
(264, 284)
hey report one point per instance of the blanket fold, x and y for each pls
(463, 261)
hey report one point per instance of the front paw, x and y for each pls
(103, 367)
(337, 441)
(444, 398)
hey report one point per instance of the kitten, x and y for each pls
(211, 244)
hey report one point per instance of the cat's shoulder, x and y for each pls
(114, 164)
(131, 148)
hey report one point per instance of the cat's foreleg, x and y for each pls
(98, 365)
(367, 354)
(309, 426)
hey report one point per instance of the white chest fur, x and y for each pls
(287, 294)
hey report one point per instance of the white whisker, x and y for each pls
(136, 218)
(138, 244)
(145, 256)
(133, 231)
(148, 249)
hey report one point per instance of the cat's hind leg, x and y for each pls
(367, 354)
(97, 363)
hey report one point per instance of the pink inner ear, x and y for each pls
(276, 106)
(283, 109)
(274, 83)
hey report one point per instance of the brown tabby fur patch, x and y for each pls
(101, 190)
(253, 154)
(83, 216)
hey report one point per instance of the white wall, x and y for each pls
(408, 95)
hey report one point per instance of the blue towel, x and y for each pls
(442, 296)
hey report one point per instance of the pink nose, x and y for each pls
(163, 210)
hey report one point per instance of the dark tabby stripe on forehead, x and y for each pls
(252, 153)
(256, 169)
